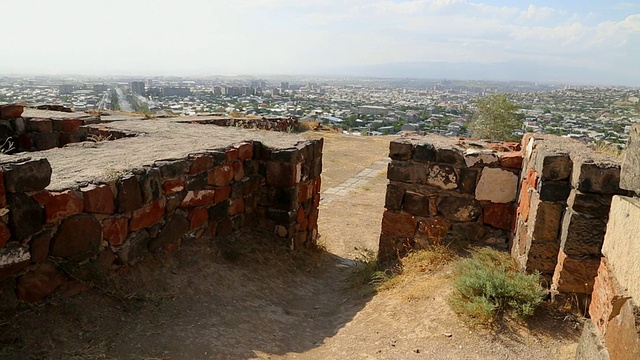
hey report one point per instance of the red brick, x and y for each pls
(147, 215)
(511, 159)
(434, 229)
(200, 163)
(3, 191)
(40, 125)
(499, 216)
(238, 170)
(172, 186)
(98, 199)
(221, 175)
(62, 205)
(222, 194)
(115, 230)
(236, 207)
(197, 217)
(398, 224)
(198, 198)
(71, 125)
(232, 155)
(5, 234)
(245, 151)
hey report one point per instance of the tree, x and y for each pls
(495, 118)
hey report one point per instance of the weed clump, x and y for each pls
(489, 285)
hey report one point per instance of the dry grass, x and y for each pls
(307, 125)
(609, 149)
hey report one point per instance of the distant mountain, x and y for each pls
(504, 71)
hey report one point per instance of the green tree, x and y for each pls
(495, 118)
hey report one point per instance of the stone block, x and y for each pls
(221, 194)
(630, 171)
(238, 170)
(26, 216)
(147, 215)
(5, 234)
(200, 163)
(591, 345)
(551, 190)
(134, 247)
(197, 217)
(61, 205)
(245, 151)
(231, 155)
(500, 216)
(512, 160)
(98, 199)
(25, 142)
(67, 125)
(407, 172)
(551, 165)
(467, 180)
(172, 186)
(129, 194)
(590, 204)
(400, 150)
(424, 153)
(224, 227)
(527, 189)
(443, 177)
(77, 238)
(197, 182)
(452, 156)
(582, 236)
(596, 177)
(198, 198)
(115, 230)
(542, 256)
(460, 209)
(236, 206)
(480, 158)
(398, 224)
(221, 175)
(25, 176)
(39, 283)
(574, 275)
(175, 227)
(69, 138)
(282, 174)
(219, 210)
(45, 141)
(290, 155)
(416, 204)
(10, 111)
(151, 185)
(497, 185)
(621, 246)
(623, 334)
(40, 125)
(39, 246)
(607, 297)
(544, 219)
(171, 169)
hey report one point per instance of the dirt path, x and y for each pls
(266, 303)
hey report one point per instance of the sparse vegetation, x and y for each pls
(489, 285)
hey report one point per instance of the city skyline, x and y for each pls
(575, 41)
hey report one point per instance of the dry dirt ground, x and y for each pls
(243, 298)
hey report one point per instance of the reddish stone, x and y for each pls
(282, 174)
(301, 216)
(245, 151)
(238, 170)
(115, 230)
(574, 275)
(62, 205)
(499, 216)
(197, 217)
(511, 159)
(147, 215)
(25, 141)
(318, 184)
(236, 206)
(10, 111)
(222, 194)
(525, 140)
(530, 182)
(434, 229)
(3, 191)
(172, 186)
(198, 198)
(505, 146)
(305, 191)
(40, 125)
(221, 175)
(398, 224)
(232, 155)
(200, 163)
(171, 247)
(42, 197)
(98, 199)
(39, 283)
(313, 219)
(5, 234)
(78, 237)
(71, 125)
(39, 246)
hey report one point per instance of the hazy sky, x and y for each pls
(199, 37)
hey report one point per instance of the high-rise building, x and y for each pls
(138, 87)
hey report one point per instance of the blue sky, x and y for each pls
(200, 37)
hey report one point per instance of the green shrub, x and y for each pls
(489, 285)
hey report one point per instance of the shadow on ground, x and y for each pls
(240, 299)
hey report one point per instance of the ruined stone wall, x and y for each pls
(283, 124)
(439, 185)
(565, 195)
(115, 223)
(613, 332)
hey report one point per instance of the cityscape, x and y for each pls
(357, 106)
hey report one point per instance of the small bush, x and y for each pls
(489, 285)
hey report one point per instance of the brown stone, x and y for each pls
(595, 177)
(134, 247)
(26, 176)
(512, 159)
(543, 257)
(173, 186)
(528, 186)
(582, 236)
(10, 111)
(129, 194)
(40, 125)
(606, 298)
(3, 191)
(232, 154)
(552, 165)
(5, 234)
(452, 156)
(590, 204)
(467, 180)
(407, 172)
(238, 170)
(39, 246)
(574, 275)
(171, 169)
(98, 199)
(416, 204)
(497, 185)
(198, 198)
(151, 185)
(399, 150)
(39, 283)
(62, 205)
(236, 206)
(27, 217)
(69, 125)
(460, 209)
(283, 174)
(148, 215)
(221, 194)
(115, 230)
(200, 163)
(623, 336)
(551, 190)
(545, 219)
(499, 216)
(398, 224)
(176, 226)
(45, 141)
(425, 153)
(221, 175)
(197, 217)
(394, 196)
(245, 151)
(78, 238)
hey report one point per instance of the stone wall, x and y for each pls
(565, 195)
(283, 124)
(613, 332)
(439, 185)
(114, 223)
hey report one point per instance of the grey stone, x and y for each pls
(45, 141)
(553, 165)
(171, 169)
(460, 209)
(467, 180)
(582, 236)
(424, 153)
(29, 175)
(399, 150)
(416, 204)
(451, 156)
(590, 204)
(553, 190)
(151, 183)
(394, 196)
(596, 177)
(591, 345)
(26, 216)
(443, 177)
(408, 172)
(630, 173)
(134, 247)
